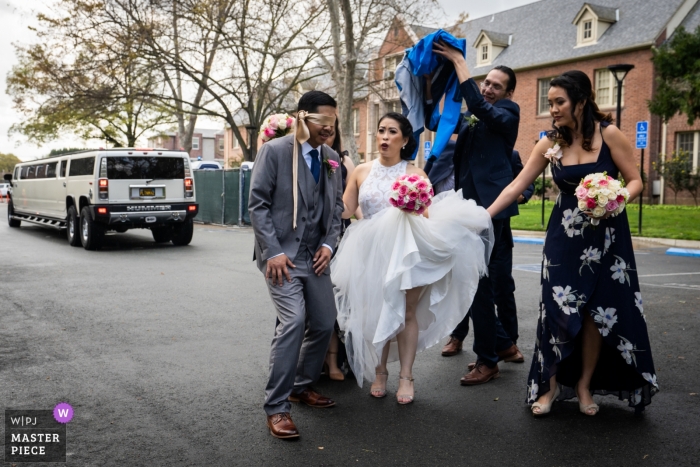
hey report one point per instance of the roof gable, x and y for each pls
(496, 38)
(602, 13)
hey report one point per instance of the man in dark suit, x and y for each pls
(482, 162)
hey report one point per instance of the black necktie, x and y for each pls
(315, 164)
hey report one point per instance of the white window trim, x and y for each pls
(479, 52)
(539, 81)
(195, 143)
(695, 155)
(613, 89)
(356, 119)
(386, 64)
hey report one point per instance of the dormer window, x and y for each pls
(592, 21)
(489, 45)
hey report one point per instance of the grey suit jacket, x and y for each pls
(271, 204)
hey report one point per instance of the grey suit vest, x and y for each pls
(310, 241)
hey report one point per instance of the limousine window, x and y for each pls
(84, 166)
(31, 172)
(135, 168)
(40, 171)
(51, 170)
(63, 168)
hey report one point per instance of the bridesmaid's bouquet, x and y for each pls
(276, 126)
(600, 194)
(411, 193)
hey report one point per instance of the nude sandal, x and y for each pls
(585, 408)
(544, 408)
(376, 392)
(404, 396)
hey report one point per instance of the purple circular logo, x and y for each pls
(63, 412)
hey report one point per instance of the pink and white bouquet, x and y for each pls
(276, 126)
(600, 194)
(412, 194)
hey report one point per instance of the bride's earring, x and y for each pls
(404, 147)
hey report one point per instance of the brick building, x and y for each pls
(545, 38)
(207, 144)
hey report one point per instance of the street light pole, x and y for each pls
(619, 72)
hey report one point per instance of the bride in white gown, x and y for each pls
(403, 282)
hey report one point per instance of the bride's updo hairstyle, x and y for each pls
(578, 87)
(406, 131)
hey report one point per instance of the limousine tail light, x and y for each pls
(101, 210)
(103, 187)
(192, 207)
(189, 192)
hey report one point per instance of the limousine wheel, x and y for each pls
(162, 234)
(10, 213)
(91, 233)
(72, 227)
(182, 233)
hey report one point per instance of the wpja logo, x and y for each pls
(37, 435)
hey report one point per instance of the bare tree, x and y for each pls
(257, 55)
(355, 26)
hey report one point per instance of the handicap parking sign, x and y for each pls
(642, 127)
(542, 134)
(641, 140)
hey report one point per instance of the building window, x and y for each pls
(221, 144)
(690, 143)
(390, 64)
(542, 90)
(375, 121)
(195, 143)
(485, 53)
(606, 89)
(234, 140)
(356, 121)
(587, 30)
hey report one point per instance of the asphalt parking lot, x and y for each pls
(162, 351)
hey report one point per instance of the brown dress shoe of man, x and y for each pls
(282, 426)
(479, 375)
(453, 347)
(312, 399)
(511, 355)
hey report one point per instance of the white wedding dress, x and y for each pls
(389, 252)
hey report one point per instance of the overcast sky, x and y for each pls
(17, 15)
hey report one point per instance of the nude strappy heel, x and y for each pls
(377, 392)
(404, 396)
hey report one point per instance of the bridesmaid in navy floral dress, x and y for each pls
(591, 335)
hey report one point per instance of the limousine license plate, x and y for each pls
(147, 191)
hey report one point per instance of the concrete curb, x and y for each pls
(672, 242)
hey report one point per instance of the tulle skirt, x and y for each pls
(382, 257)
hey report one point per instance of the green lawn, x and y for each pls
(667, 221)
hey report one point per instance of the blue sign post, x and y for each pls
(642, 141)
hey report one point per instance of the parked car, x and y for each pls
(4, 188)
(91, 192)
(206, 165)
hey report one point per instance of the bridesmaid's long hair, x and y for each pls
(337, 144)
(579, 89)
(406, 131)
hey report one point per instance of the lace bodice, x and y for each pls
(374, 191)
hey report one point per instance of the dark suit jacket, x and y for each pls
(482, 157)
(517, 168)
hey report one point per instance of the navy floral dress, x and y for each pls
(587, 269)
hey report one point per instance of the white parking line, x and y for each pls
(672, 274)
(675, 286)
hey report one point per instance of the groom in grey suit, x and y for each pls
(295, 235)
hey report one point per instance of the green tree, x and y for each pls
(7, 162)
(694, 185)
(86, 77)
(58, 152)
(676, 171)
(677, 64)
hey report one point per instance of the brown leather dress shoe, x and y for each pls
(511, 355)
(282, 426)
(453, 347)
(479, 375)
(312, 399)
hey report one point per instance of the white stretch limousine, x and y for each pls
(91, 192)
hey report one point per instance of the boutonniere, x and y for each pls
(331, 166)
(471, 120)
(553, 154)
